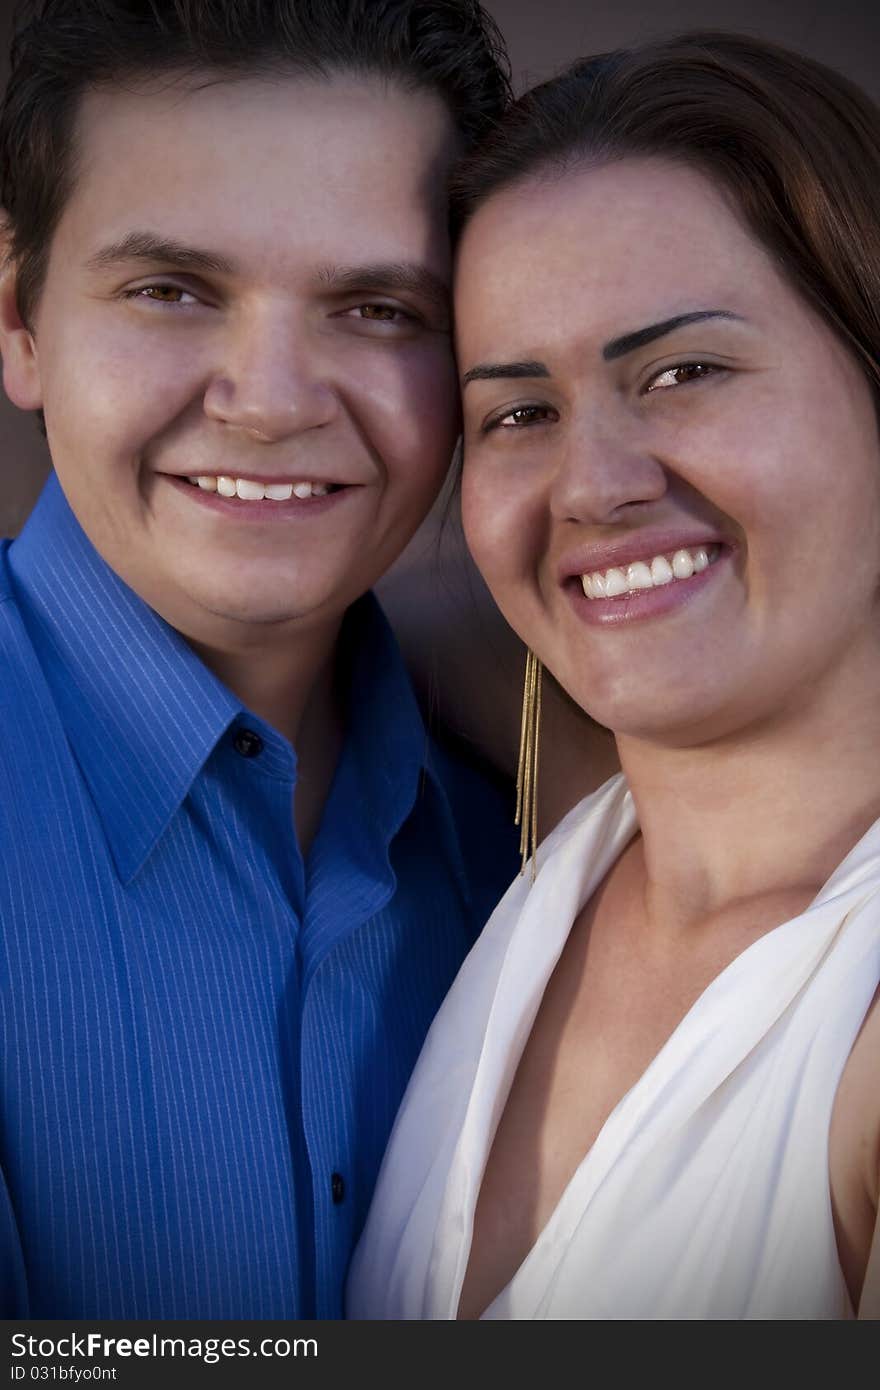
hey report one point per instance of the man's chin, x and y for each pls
(233, 620)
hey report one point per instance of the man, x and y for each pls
(237, 877)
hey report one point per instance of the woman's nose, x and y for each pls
(605, 467)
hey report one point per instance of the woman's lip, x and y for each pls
(642, 604)
(643, 546)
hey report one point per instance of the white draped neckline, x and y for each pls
(630, 1192)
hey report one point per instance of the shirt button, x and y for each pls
(337, 1188)
(248, 744)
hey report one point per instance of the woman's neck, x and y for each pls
(768, 811)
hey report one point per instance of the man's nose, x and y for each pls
(606, 467)
(271, 381)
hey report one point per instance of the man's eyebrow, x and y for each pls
(146, 246)
(408, 277)
(494, 371)
(629, 342)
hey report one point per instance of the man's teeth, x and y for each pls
(249, 491)
(645, 574)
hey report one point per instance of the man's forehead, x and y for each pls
(355, 130)
(291, 186)
(341, 101)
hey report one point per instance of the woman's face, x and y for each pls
(672, 469)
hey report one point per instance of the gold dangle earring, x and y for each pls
(527, 771)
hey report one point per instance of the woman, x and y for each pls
(651, 1091)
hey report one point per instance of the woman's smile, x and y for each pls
(641, 577)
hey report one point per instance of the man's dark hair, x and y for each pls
(62, 48)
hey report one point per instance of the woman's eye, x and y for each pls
(522, 416)
(680, 375)
(162, 294)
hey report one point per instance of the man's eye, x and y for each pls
(162, 294)
(680, 375)
(381, 313)
(522, 416)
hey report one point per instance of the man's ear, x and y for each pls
(21, 376)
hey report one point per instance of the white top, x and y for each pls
(706, 1193)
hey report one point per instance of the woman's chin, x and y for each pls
(685, 718)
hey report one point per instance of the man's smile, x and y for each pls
(253, 490)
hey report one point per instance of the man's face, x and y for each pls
(247, 285)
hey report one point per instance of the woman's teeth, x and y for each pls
(249, 491)
(648, 574)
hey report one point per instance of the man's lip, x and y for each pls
(260, 510)
(267, 479)
(638, 545)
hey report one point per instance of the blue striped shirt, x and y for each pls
(204, 1039)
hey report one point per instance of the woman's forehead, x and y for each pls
(619, 247)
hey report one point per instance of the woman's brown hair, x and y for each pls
(794, 145)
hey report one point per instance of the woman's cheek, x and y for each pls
(479, 519)
(495, 523)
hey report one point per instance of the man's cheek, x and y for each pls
(416, 399)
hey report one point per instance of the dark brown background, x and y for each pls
(543, 37)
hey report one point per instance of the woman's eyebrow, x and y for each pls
(616, 347)
(492, 371)
(628, 342)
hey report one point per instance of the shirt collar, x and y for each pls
(141, 711)
(386, 745)
(387, 764)
(388, 757)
